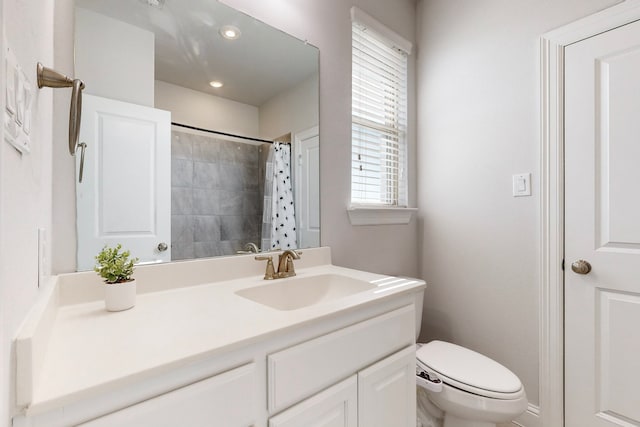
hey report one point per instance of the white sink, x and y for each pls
(295, 293)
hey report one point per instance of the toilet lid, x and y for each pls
(460, 366)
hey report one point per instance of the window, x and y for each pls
(378, 114)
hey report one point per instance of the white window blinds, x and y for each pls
(379, 113)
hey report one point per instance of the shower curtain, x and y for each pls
(278, 215)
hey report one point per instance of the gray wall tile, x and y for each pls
(207, 228)
(181, 146)
(205, 201)
(181, 201)
(230, 203)
(182, 228)
(206, 249)
(207, 175)
(182, 251)
(181, 172)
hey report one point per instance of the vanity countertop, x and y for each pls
(87, 349)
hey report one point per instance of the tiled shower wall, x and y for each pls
(217, 188)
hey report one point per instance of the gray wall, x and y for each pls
(478, 124)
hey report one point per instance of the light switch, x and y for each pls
(522, 184)
(18, 96)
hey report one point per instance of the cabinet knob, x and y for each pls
(162, 247)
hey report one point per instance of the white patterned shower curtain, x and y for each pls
(278, 215)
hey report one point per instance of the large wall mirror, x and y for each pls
(201, 131)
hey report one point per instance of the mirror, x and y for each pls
(231, 86)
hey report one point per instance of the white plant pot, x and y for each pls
(120, 296)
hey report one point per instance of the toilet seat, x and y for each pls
(469, 371)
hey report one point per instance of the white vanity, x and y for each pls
(216, 351)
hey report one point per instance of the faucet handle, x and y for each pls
(270, 272)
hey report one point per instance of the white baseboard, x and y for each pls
(531, 418)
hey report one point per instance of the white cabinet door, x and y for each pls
(334, 407)
(387, 392)
(125, 194)
(226, 400)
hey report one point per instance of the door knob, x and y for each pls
(162, 247)
(581, 267)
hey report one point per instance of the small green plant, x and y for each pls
(114, 266)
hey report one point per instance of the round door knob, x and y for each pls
(581, 267)
(162, 247)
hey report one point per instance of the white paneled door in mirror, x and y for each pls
(602, 217)
(307, 187)
(125, 194)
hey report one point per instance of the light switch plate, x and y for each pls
(521, 184)
(18, 94)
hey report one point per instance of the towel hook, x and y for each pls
(51, 78)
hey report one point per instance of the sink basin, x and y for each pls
(295, 293)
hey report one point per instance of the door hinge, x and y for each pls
(563, 265)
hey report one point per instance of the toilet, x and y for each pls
(464, 388)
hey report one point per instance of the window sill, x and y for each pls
(376, 215)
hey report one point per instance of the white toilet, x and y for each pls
(465, 388)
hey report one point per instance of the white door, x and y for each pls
(334, 407)
(602, 227)
(125, 194)
(307, 188)
(387, 391)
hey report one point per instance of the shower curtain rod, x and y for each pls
(225, 133)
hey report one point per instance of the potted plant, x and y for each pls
(116, 268)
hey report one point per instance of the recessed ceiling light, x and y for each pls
(230, 32)
(216, 84)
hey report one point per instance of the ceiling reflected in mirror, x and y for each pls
(190, 50)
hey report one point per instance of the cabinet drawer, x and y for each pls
(227, 399)
(303, 370)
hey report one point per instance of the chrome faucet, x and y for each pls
(285, 265)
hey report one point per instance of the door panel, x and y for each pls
(602, 226)
(125, 195)
(618, 102)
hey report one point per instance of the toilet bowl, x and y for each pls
(467, 388)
